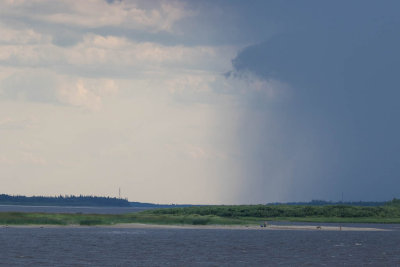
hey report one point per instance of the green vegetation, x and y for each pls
(287, 211)
(219, 215)
(330, 203)
(389, 213)
(21, 218)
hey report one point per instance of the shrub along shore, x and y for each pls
(217, 215)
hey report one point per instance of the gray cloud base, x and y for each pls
(343, 68)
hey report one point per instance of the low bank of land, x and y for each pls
(216, 215)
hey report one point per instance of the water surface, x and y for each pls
(100, 246)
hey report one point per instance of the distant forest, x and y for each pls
(64, 201)
(328, 203)
(79, 201)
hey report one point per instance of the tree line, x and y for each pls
(67, 200)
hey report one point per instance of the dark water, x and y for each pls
(97, 246)
(56, 209)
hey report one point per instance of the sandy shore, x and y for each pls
(323, 228)
(251, 227)
(227, 227)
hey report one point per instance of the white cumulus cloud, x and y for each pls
(85, 92)
(161, 16)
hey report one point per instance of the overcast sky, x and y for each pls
(212, 102)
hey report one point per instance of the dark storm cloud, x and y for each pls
(342, 61)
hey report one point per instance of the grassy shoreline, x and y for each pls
(213, 215)
(22, 218)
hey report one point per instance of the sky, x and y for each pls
(202, 102)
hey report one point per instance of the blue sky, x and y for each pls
(200, 101)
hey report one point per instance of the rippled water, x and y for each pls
(97, 246)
